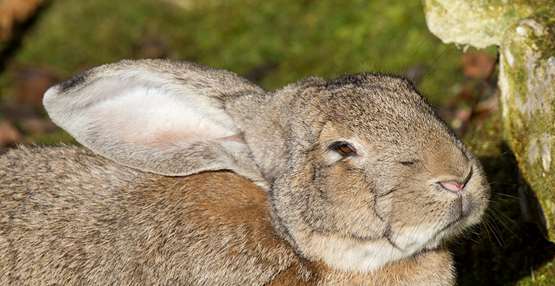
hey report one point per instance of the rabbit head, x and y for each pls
(361, 171)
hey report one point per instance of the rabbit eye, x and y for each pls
(343, 148)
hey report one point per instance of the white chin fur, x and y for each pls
(353, 255)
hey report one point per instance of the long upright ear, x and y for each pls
(157, 116)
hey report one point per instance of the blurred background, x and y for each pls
(274, 43)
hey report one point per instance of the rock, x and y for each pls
(477, 23)
(527, 85)
(524, 30)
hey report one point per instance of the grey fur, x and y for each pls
(69, 216)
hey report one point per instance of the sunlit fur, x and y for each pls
(361, 212)
(71, 216)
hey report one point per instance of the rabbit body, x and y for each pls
(194, 176)
(74, 218)
(70, 217)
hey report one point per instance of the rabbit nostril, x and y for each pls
(452, 186)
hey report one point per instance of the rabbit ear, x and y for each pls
(156, 116)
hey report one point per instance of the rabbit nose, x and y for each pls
(455, 184)
(452, 186)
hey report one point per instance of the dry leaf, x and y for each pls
(478, 65)
(14, 11)
(8, 134)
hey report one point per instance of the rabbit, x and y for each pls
(189, 175)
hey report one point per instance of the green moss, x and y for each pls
(527, 81)
(479, 23)
(544, 276)
(52, 138)
(273, 42)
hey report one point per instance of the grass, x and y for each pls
(273, 42)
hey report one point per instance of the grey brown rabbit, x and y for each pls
(194, 176)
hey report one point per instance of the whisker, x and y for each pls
(507, 196)
(506, 221)
(493, 230)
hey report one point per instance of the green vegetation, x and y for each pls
(529, 103)
(273, 42)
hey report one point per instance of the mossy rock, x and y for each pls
(527, 84)
(479, 23)
(507, 248)
(524, 32)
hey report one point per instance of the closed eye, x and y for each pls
(408, 162)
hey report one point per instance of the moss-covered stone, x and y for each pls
(479, 23)
(527, 84)
(507, 248)
(524, 30)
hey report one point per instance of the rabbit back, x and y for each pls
(67, 215)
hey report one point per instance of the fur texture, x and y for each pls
(385, 203)
(156, 116)
(374, 212)
(117, 226)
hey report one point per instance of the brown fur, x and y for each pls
(387, 194)
(208, 229)
(378, 217)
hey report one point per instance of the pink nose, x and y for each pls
(452, 186)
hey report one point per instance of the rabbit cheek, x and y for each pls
(350, 203)
(416, 217)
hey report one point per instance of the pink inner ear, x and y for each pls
(235, 138)
(170, 137)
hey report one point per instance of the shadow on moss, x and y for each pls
(510, 244)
